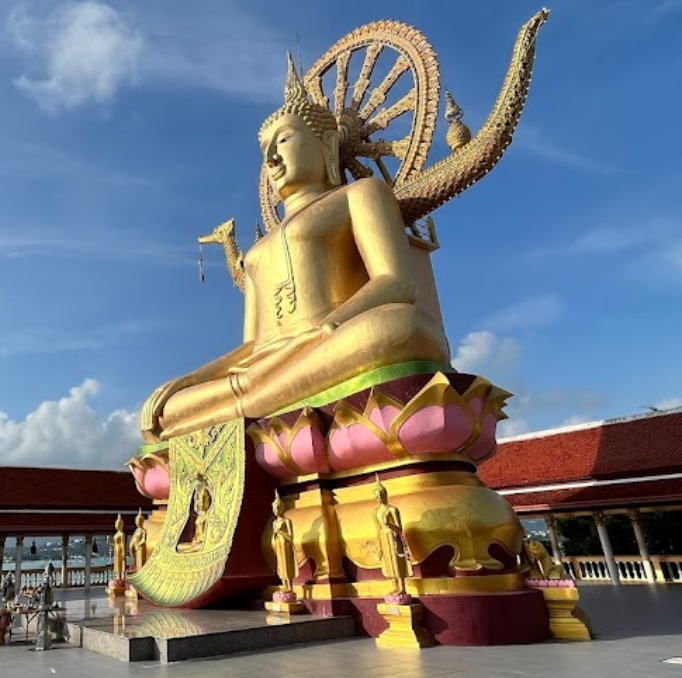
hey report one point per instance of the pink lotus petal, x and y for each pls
(384, 416)
(435, 429)
(308, 450)
(485, 446)
(267, 458)
(355, 445)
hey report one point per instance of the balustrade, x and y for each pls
(667, 569)
(99, 576)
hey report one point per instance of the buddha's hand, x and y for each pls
(284, 348)
(153, 407)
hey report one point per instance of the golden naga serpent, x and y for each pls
(409, 66)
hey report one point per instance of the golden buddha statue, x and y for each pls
(283, 545)
(202, 503)
(340, 301)
(329, 293)
(395, 558)
(138, 543)
(119, 552)
(540, 562)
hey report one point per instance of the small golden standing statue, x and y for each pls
(202, 503)
(119, 550)
(117, 585)
(395, 558)
(282, 543)
(138, 543)
(404, 616)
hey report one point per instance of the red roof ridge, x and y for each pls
(584, 426)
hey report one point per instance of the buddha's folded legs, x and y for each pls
(384, 336)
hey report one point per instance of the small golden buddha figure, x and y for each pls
(330, 293)
(283, 545)
(540, 562)
(138, 543)
(202, 503)
(395, 558)
(119, 552)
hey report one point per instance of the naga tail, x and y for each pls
(473, 160)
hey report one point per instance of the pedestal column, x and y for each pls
(88, 561)
(606, 548)
(17, 562)
(551, 527)
(65, 558)
(642, 545)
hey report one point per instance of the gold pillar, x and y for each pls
(17, 562)
(551, 527)
(606, 547)
(641, 543)
(65, 558)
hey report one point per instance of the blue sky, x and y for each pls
(129, 128)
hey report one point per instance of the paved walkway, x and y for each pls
(637, 627)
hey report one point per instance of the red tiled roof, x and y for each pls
(646, 445)
(652, 493)
(55, 488)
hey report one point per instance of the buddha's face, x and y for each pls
(293, 155)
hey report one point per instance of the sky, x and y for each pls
(127, 129)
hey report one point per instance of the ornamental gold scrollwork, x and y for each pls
(418, 191)
(216, 456)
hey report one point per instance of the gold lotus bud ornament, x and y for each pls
(458, 133)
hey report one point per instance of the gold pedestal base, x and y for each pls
(566, 620)
(285, 608)
(404, 627)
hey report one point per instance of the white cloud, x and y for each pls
(487, 354)
(512, 427)
(527, 314)
(574, 420)
(87, 50)
(534, 141)
(69, 432)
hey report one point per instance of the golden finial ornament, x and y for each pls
(458, 133)
(294, 91)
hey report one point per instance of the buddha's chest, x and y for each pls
(303, 248)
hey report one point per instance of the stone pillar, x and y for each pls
(65, 558)
(88, 561)
(641, 543)
(17, 563)
(606, 548)
(2, 555)
(551, 526)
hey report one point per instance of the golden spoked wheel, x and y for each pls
(364, 110)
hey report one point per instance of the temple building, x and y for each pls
(628, 465)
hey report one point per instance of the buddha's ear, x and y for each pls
(330, 141)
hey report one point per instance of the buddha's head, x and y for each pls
(380, 492)
(139, 519)
(300, 142)
(119, 523)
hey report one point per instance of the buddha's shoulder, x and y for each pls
(367, 187)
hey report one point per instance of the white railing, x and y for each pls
(75, 577)
(631, 570)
